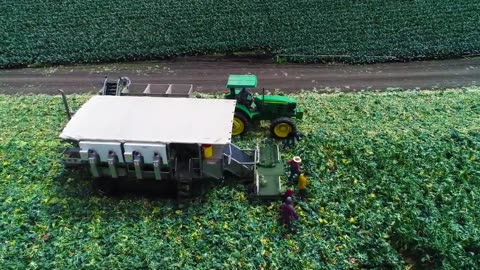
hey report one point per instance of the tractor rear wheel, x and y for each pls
(240, 124)
(282, 127)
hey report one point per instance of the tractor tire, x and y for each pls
(282, 127)
(240, 124)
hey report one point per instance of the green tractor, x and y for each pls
(278, 109)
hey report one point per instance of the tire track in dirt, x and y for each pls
(208, 74)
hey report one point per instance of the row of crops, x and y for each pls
(394, 185)
(60, 31)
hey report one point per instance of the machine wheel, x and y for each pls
(282, 127)
(240, 124)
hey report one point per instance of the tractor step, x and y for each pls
(184, 194)
(184, 181)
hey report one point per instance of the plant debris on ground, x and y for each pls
(394, 184)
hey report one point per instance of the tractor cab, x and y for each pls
(238, 86)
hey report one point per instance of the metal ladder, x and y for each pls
(184, 181)
(237, 161)
(184, 191)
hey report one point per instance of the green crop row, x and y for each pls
(394, 184)
(59, 31)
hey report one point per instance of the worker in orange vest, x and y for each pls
(302, 186)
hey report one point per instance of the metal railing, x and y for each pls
(244, 152)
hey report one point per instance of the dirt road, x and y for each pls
(209, 74)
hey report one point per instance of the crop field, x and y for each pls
(394, 185)
(60, 31)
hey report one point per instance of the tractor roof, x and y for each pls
(152, 120)
(242, 81)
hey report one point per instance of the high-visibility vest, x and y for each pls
(302, 182)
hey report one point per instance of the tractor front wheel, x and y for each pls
(282, 127)
(240, 124)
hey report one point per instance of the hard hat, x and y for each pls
(297, 159)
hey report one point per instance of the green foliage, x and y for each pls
(394, 182)
(59, 31)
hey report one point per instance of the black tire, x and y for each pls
(285, 122)
(239, 116)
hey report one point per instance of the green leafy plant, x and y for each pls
(54, 32)
(393, 184)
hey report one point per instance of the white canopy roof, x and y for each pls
(152, 120)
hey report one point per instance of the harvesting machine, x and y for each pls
(174, 140)
(279, 110)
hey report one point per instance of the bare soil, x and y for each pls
(209, 74)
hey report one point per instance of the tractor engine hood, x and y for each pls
(276, 99)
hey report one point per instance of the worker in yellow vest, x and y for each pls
(302, 186)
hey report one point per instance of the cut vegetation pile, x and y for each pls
(394, 183)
